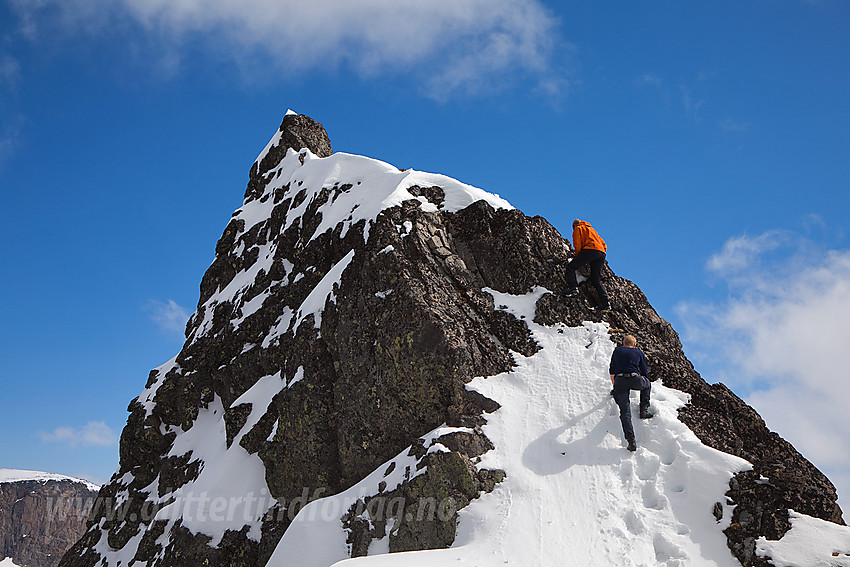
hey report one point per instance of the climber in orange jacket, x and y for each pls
(590, 249)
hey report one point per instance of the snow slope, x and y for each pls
(573, 494)
(13, 475)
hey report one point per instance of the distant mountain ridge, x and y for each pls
(42, 515)
(15, 475)
(339, 346)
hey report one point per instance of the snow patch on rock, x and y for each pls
(810, 541)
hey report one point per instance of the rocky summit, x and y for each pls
(331, 398)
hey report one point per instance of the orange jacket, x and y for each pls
(584, 236)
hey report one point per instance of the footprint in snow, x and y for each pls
(675, 480)
(667, 552)
(626, 471)
(647, 465)
(633, 522)
(666, 446)
(652, 498)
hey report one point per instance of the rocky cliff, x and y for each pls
(348, 307)
(41, 515)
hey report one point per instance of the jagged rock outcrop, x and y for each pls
(41, 517)
(344, 313)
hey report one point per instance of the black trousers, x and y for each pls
(623, 385)
(596, 259)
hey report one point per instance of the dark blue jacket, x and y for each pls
(626, 360)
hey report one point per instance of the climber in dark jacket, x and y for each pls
(628, 372)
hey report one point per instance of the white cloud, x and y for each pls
(94, 433)
(782, 336)
(462, 45)
(169, 316)
(738, 254)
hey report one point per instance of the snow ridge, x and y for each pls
(359, 188)
(374, 186)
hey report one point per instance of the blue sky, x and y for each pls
(708, 144)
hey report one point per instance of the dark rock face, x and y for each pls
(41, 520)
(403, 329)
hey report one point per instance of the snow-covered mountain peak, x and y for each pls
(380, 365)
(313, 195)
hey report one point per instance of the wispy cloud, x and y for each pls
(10, 131)
(691, 105)
(734, 127)
(10, 73)
(169, 316)
(739, 254)
(689, 97)
(781, 336)
(458, 46)
(93, 434)
(511, 43)
(650, 79)
(10, 120)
